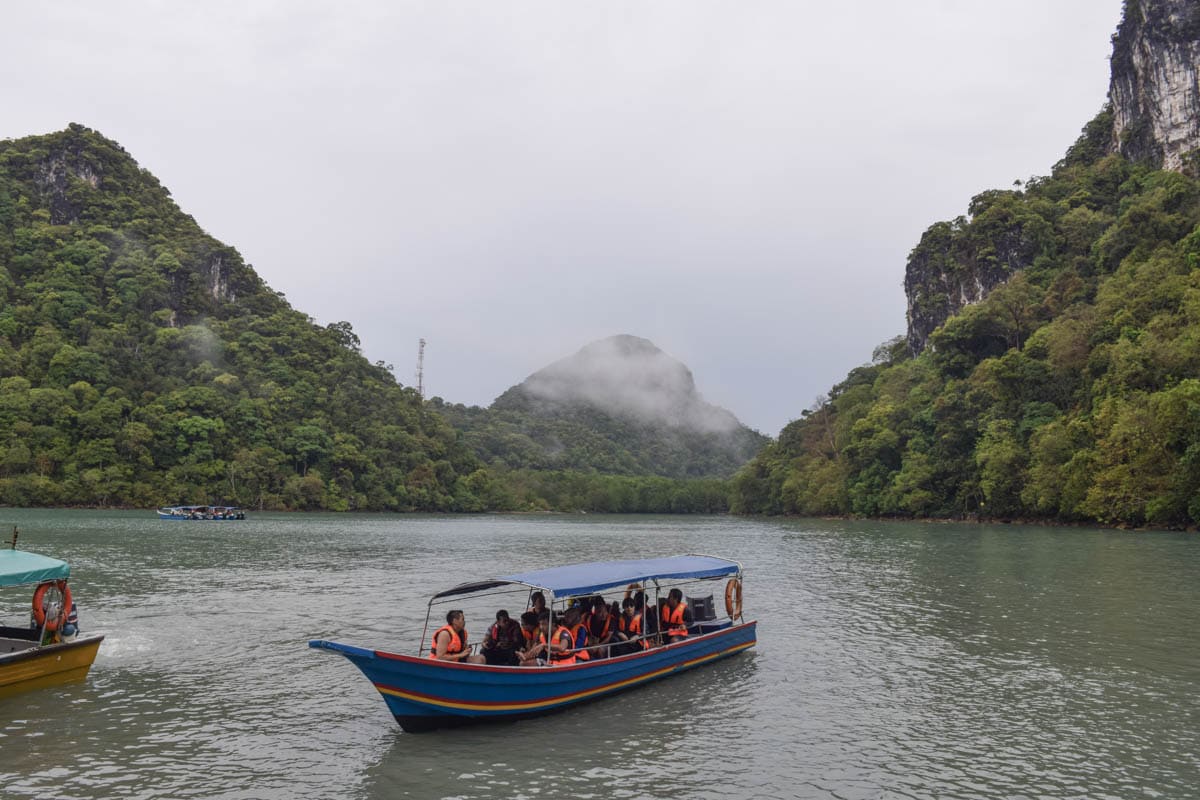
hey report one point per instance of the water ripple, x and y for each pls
(894, 661)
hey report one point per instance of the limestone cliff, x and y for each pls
(1154, 90)
(1153, 116)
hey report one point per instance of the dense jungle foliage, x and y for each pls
(1071, 393)
(142, 363)
(585, 460)
(518, 436)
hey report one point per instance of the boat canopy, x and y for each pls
(19, 566)
(576, 579)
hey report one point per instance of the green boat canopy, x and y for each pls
(19, 566)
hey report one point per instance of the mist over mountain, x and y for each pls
(625, 376)
(621, 406)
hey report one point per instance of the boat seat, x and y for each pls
(703, 608)
(10, 645)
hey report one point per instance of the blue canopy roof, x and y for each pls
(20, 566)
(577, 579)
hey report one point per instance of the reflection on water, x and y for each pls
(893, 660)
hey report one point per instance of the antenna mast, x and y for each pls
(421, 368)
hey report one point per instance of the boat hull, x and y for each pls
(423, 694)
(204, 518)
(43, 667)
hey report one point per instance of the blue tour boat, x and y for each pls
(423, 693)
(201, 512)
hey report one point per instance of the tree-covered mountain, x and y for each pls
(142, 362)
(1052, 363)
(617, 426)
(618, 406)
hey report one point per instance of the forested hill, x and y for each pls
(618, 406)
(143, 363)
(1071, 389)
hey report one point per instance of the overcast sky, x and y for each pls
(739, 182)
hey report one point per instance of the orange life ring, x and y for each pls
(39, 605)
(631, 588)
(733, 598)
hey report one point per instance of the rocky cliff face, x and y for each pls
(1155, 91)
(1154, 101)
(959, 263)
(83, 180)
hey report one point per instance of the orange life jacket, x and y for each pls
(560, 658)
(456, 643)
(603, 631)
(673, 620)
(582, 655)
(631, 626)
(533, 637)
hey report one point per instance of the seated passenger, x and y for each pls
(450, 641)
(534, 651)
(601, 628)
(537, 603)
(573, 620)
(629, 629)
(561, 643)
(676, 617)
(502, 641)
(650, 615)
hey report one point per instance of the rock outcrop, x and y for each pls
(1155, 90)
(1154, 108)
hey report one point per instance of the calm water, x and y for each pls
(894, 660)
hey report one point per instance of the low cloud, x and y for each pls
(630, 377)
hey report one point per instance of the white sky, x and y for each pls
(739, 182)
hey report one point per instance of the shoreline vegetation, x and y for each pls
(973, 520)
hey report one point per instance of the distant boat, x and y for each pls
(47, 652)
(201, 512)
(424, 693)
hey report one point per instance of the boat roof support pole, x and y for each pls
(425, 630)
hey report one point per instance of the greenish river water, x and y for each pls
(894, 661)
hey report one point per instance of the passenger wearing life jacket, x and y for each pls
(537, 602)
(629, 624)
(601, 628)
(502, 641)
(561, 644)
(676, 617)
(629, 629)
(533, 653)
(450, 641)
(573, 620)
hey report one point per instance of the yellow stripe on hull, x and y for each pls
(53, 666)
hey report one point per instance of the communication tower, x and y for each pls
(421, 368)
